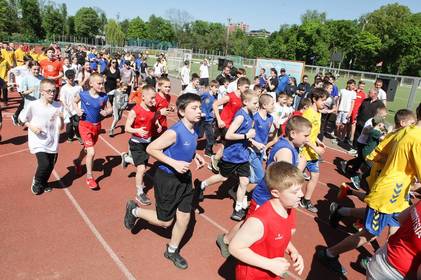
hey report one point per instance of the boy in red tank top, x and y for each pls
(232, 103)
(163, 99)
(141, 121)
(265, 237)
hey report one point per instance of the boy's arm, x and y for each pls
(296, 258)
(129, 122)
(76, 102)
(155, 150)
(108, 110)
(283, 154)
(352, 107)
(215, 105)
(251, 231)
(236, 123)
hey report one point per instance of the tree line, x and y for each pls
(389, 37)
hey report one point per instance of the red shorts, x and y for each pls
(354, 117)
(89, 133)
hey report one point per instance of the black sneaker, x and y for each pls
(238, 215)
(198, 188)
(334, 216)
(143, 199)
(332, 263)
(129, 218)
(36, 187)
(48, 189)
(176, 258)
(342, 167)
(306, 204)
(223, 247)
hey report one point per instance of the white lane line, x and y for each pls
(95, 232)
(13, 153)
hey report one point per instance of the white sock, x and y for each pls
(140, 190)
(203, 185)
(172, 249)
(245, 202)
(238, 205)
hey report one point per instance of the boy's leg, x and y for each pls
(69, 130)
(42, 173)
(351, 242)
(241, 200)
(179, 229)
(140, 194)
(210, 137)
(313, 167)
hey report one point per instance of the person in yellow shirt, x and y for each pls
(19, 54)
(4, 68)
(315, 147)
(388, 195)
(8, 54)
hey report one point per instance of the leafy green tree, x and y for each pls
(160, 29)
(365, 49)
(238, 43)
(113, 33)
(124, 25)
(70, 26)
(31, 18)
(136, 29)
(257, 47)
(87, 22)
(52, 21)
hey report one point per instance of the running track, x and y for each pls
(77, 233)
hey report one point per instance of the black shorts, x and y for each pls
(172, 192)
(138, 152)
(238, 169)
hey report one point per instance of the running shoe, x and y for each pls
(223, 247)
(143, 199)
(238, 215)
(92, 184)
(176, 258)
(332, 263)
(334, 216)
(129, 218)
(356, 181)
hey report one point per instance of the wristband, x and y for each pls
(245, 136)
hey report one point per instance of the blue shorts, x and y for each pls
(313, 166)
(257, 173)
(375, 222)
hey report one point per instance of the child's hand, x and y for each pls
(221, 124)
(278, 266)
(298, 262)
(259, 146)
(251, 133)
(181, 166)
(164, 111)
(35, 129)
(200, 162)
(103, 113)
(79, 112)
(141, 131)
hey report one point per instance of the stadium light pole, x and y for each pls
(228, 35)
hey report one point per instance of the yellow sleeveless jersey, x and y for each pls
(316, 120)
(389, 193)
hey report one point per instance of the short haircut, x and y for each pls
(305, 102)
(224, 80)
(318, 93)
(361, 82)
(148, 87)
(47, 82)
(241, 71)
(95, 76)
(283, 175)
(297, 123)
(264, 70)
(256, 77)
(265, 99)
(50, 49)
(249, 94)
(326, 84)
(378, 80)
(282, 94)
(33, 63)
(194, 77)
(305, 76)
(243, 81)
(404, 115)
(381, 107)
(351, 81)
(184, 100)
(213, 83)
(163, 80)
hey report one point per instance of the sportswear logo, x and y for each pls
(186, 143)
(279, 236)
(375, 223)
(396, 192)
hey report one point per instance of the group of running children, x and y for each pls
(244, 129)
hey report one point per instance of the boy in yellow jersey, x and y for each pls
(315, 147)
(388, 195)
(4, 68)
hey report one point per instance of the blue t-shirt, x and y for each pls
(102, 65)
(236, 151)
(335, 91)
(92, 106)
(137, 64)
(184, 147)
(262, 82)
(206, 106)
(261, 192)
(262, 127)
(283, 82)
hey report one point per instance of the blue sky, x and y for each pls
(268, 14)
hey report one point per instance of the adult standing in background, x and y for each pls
(225, 75)
(112, 78)
(302, 90)
(204, 73)
(378, 84)
(185, 75)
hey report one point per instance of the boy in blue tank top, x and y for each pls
(235, 158)
(174, 151)
(94, 105)
(263, 122)
(285, 149)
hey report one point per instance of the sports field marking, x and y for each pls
(94, 231)
(13, 153)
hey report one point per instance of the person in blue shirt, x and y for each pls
(235, 157)
(102, 64)
(283, 81)
(174, 151)
(208, 117)
(263, 122)
(94, 105)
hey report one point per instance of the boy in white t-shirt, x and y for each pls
(44, 120)
(345, 105)
(222, 91)
(185, 75)
(282, 112)
(204, 73)
(382, 96)
(193, 86)
(67, 96)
